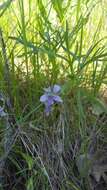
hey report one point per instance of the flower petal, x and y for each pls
(50, 100)
(48, 109)
(56, 88)
(58, 99)
(43, 98)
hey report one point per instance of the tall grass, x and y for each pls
(43, 43)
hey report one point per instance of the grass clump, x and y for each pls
(44, 44)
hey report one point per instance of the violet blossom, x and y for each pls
(50, 97)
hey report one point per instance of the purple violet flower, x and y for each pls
(50, 97)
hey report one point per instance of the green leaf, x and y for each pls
(4, 6)
(99, 106)
(57, 5)
(29, 160)
(30, 185)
